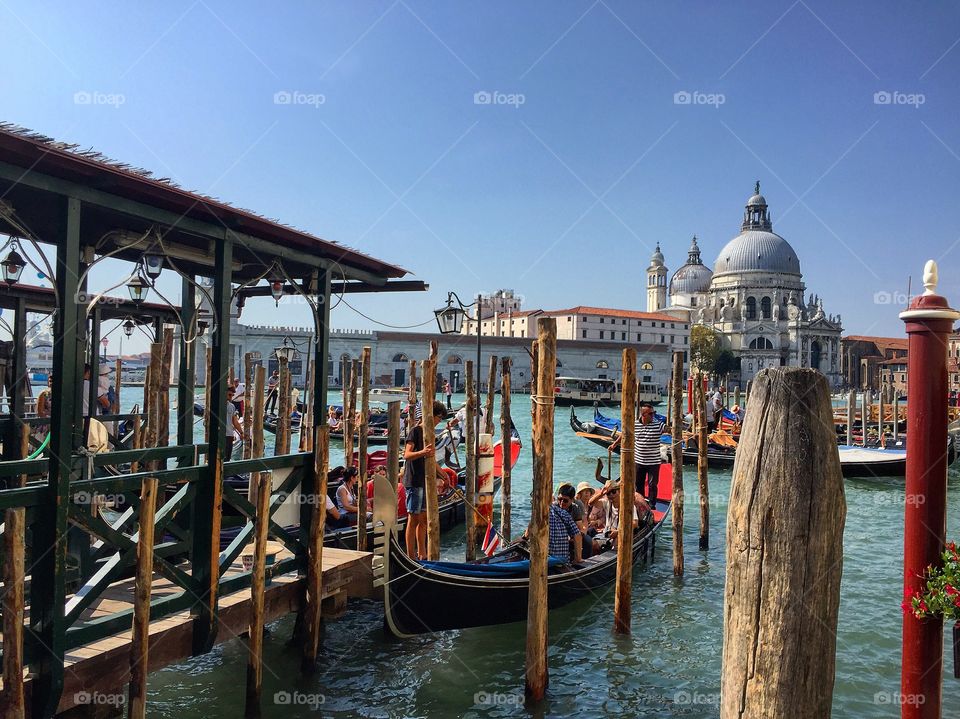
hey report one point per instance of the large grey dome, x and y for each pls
(757, 251)
(691, 279)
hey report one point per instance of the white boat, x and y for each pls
(580, 391)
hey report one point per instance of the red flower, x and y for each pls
(949, 590)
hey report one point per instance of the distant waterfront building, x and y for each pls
(754, 298)
(863, 356)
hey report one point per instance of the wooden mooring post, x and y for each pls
(318, 519)
(929, 321)
(470, 437)
(864, 416)
(851, 415)
(537, 666)
(259, 494)
(429, 372)
(628, 482)
(362, 448)
(14, 552)
(491, 389)
(676, 458)
(784, 553)
(506, 444)
(247, 405)
(896, 416)
(736, 396)
(349, 411)
(703, 482)
(412, 397)
(143, 584)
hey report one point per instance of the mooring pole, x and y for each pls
(702, 478)
(628, 482)
(896, 416)
(470, 437)
(537, 667)
(506, 446)
(349, 410)
(676, 457)
(429, 371)
(851, 415)
(929, 320)
(784, 553)
(362, 449)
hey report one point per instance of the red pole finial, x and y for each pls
(929, 320)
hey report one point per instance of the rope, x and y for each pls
(544, 400)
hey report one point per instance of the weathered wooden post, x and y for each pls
(207, 383)
(393, 444)
(537, 667)
(851, 415)
(119, 374)
(412, 397)
(506, 445)
(491, 390)
(896, 416)
(784, 553)
(628, 482)
(676, 458)
(282, 437)
(163, 394)
(929, 320)
(362, 449)
(880, 419)
(702, 479)
(259, 494)
(470, 437)
(864, 416)
(247, 405)
(736, 396)
(670, 401)
(13, 597)
(349, 410)
(429, 372)
(746, 394)
(318, 520)
(143, 583)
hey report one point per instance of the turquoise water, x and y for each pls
(669, 667)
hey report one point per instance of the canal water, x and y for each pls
(669, 667)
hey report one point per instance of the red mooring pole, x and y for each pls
(929, 320)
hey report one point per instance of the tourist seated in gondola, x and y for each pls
(565, 541)
(347, 496)
(381, 471)
(333, 515)
(578, 514)
(333, 419)
(610, 496)
(592, 516)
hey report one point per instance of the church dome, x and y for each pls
(757, 248)
(694, 276)
(656, 260)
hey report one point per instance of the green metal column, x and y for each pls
(188, 359)
(320, 369)
(49, 550)
(207, 504)
(94, 359)
(18, 392)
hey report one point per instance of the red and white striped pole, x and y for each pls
(929, 320)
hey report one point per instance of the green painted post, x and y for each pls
(188, 359)
(11, 444)
(205, 556)
(93, 358)
(47, 590)
(320, 366)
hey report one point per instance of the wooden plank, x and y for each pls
(702, 478)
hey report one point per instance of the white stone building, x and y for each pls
(754, 298)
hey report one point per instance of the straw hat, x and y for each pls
(584, 486)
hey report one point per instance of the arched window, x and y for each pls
(721, 302)
(815, 353)
(559, 364)
(751, 308)
(765, 308)
(400, 357)
(454, 359)
(761, 343)
(603, 364)
(646, 365)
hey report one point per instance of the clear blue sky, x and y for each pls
(562, 197)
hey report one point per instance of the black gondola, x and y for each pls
(421, 597)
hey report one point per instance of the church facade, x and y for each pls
(754, 298)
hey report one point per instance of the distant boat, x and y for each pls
(570, 391)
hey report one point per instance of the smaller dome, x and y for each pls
(757, 201)
(656, 260)
(691, 279)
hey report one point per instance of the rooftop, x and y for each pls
(608, 312)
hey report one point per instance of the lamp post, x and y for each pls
(450, 321)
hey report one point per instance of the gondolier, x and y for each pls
(646, 451)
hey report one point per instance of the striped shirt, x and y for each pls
(646, 442)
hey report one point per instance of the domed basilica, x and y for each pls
(754, 298)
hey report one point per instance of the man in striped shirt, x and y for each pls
(646, 452)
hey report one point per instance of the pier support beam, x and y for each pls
(929, 320)
(784, 553)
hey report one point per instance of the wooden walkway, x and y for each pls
(104, 666)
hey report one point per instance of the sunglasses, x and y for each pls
(563, 500)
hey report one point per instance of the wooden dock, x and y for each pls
(102, 668)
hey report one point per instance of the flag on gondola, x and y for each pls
(728, 420)
(491, 541)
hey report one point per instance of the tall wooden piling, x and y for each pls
(537, 667)
(143, 583)
(163, 392)
(13, 598)
(349, 413)
(393, 444)
(506, 445)
(736, 396)
(491, 389)
(282, 436)
(784, 553)
(896, 416)
(429, 372)
(207, 384)
(864, 416)
(362, 448)
(746, 394)
(702, 478)
(412, 397)
(628, 480)
(247, 405)
(318, 519)
(851, 415)
(117, 384)
(470, 437)
(880, 418)
(670, 401)
(676, 458)
(259, 495)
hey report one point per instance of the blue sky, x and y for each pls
(561, 186)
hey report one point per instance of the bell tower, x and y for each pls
(656, 282)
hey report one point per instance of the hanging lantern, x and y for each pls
(276, 289)
(286, 351)
(13, 264)
(450, 318)
(203, 321)
(138, 288)
(128, 328)
(153, 265)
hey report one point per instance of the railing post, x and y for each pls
(188, 361)
(929, 320)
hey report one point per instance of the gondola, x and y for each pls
(423, 597)
(866, 462)
(269, 420)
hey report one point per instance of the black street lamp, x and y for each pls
(13, 264)
(286, 351)
(138, 287)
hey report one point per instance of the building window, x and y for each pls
(673, 339)
(686, 327)
(685, 340)
(623, 322)
(673, 326)
(602, 364)
(765, 308)
(663, 324)
(601, 334)
(584, 334)
(663, 340)
(601, 320)
(751, 308)
(584, 319)
(646, 365)
(693, 301)
(400, 358)
(638, 337)
(623, 336)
